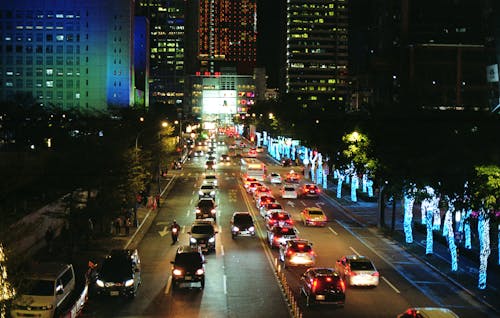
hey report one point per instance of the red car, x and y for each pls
(309, 191)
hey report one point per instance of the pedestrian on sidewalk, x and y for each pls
(118, 225)
(127, 225)
(49, 238)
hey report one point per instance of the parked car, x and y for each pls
(297, 252)
(242, 224)
(202, 235)
(321, 285)
(313, 216)
(357, 271)
(288, 191)
(188, 267)
(119, 274)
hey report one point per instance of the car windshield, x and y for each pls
(202, 229)
(207, 187)
(289, 189)
(116, 269)
(280, 216)
(361, 266)
(210, 178)
(183, 259)
(243, 219)
(37, 287)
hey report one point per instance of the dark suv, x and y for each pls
(202, 235)
(188, 267)
(206, 209)
(322, 285)
(119, 274)
(242, 224)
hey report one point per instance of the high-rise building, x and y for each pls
(317, 53)
(68, 53)
(425, 55)
(167, 19)
(227, 35)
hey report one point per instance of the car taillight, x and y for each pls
(314, 285)
(376, 274)
(177, 272)
(213, 211)
(312, 253)
(342, 285)
(198, 210)
(289, 253)
(276, 238)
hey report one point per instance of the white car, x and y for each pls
(210, 179)
(357, 271)
(289, 192)
(274, 178)
(270, 207)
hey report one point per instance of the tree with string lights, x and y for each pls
(7, 292)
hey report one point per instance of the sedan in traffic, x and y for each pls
(313, 216)
(357, 271)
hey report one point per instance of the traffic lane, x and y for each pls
(251, 285)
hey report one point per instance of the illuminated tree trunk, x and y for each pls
(340, 180)
(408, 201)
(448, 226)
(7, 292)
(484, 247)
(467, 232)
(429, 241)
(354, 186)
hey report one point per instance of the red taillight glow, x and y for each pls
(342, 285)
(328, 279)
(314, 285)
(289, 253)
(376, 274)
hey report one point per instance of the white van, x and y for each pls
(43, 290)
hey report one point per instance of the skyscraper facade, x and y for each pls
(227, 35)
(71, 54)
(167, 19)
(316, 66)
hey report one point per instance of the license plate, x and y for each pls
(203, 245)
(114, 293)
(313, 192)
(188, 278)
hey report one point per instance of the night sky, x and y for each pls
(269, 24)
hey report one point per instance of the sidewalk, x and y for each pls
(465, 278)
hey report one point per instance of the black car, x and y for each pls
(202, 235)
(206, 209)
(321, 285)
(242, 224)
(188, 267)
(119, 274)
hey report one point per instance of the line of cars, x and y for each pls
(324, 285)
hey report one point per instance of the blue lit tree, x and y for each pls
(450, 235)
(408, 201)
(485, 191)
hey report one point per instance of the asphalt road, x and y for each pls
(240, 275)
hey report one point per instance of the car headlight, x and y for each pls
(200, 271)
(129, 283)
(192, 240)
(236, 229)
(99, 283)
(177, 272)
(200, 192)
(251, 229)
(211, 240)
(212, 193)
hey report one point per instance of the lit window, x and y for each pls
(49, 83)
(49, 71)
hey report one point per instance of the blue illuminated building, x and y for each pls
(69, 53)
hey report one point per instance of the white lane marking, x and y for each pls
(187, 213)
(222, 250)
(355, 252)
(333, 231)
(169, 284)
(191, 201)
(303, 203)
(224, 281)
(183, 229)
(391, 285)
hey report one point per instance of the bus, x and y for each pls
(254, 168)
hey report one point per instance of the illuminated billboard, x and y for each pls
(219, 102)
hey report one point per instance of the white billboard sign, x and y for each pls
(219, 102)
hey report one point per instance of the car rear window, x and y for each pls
(301, 247)
(188, 258)
(284, 231)
(280, 216)
(327, 282)
(289, 189)
(272, 206)
(314, 212)
(206, 203)
(243, 218)
(361, 266)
